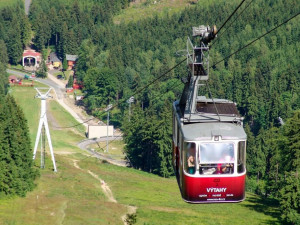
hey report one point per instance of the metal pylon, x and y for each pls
(44, 123)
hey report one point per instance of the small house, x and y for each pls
(54, 60)
(71, 59)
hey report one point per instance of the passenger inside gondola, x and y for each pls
(226, 166)
(216, 158)
(191, 151)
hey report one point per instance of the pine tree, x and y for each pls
(70, 81)
(42, 72)
(162, 140)
(290, 198)
(290, 192)
(16, 174)
(14, 42)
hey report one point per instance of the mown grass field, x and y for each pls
(73, 196)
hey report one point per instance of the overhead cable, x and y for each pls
(135, 93)
(231, 15)
(218, 38)
(247, 45)
(156, 79)
(118, 136)
(169, 70)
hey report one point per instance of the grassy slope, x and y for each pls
(159, 202)
(115, 149)
(72, 196)
(140, 9)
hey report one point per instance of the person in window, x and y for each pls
(191, 164)
(219, 169)
(191, 158)
(226, 167)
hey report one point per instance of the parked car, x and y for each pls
(60, 77)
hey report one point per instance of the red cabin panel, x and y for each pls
(213, 189)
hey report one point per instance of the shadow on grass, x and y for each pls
(266, 206)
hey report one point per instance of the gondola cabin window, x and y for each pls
(190, 157)
(216, 158)
(175, 131)
(241, 157)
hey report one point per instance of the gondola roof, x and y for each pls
(206, 131)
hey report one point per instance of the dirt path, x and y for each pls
(108, 193)
(105, 188)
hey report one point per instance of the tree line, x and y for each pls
(15, 30)
(17, 174)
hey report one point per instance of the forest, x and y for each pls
(117, 60)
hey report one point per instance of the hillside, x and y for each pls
(73, 196)
(123, 47)
(141, 9)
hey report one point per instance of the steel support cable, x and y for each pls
(236, 53)
(218, 38)
(135, 93)
(116, 137)
(230, 16)
(207, 86)
(247, 45)
(140, 90)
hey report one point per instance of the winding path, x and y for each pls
(108, 193)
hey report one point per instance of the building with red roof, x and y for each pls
(31, 58)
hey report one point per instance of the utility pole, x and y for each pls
(107, 110)
(43, 124)
(129, 101)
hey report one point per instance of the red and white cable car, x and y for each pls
(209, 142)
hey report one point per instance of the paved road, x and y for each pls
(83, 145)
(27, 6)
(58, 90)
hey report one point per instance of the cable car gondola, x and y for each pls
(209, 142)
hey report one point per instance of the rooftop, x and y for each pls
(54, 58)
(71, 57)
(206, 131)
(31, 53)
(221, 108)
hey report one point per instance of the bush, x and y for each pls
(130, 219)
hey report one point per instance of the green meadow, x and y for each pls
(73, 196)
(148, 8)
